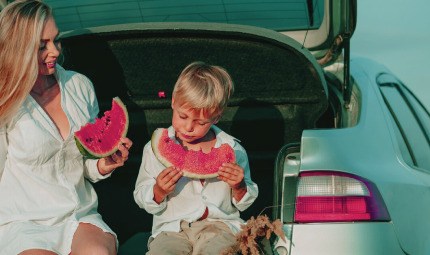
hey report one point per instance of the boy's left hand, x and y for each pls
(232, 174)
(108, 164)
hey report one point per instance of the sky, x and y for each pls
(396, 33)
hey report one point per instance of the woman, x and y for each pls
(47, 205)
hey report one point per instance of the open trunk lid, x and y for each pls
(279, 90)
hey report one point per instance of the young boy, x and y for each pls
(193, 216)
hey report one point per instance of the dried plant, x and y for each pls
(250, 240)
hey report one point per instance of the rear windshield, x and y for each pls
(279, 15)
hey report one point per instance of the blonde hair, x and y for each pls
(21, 27)
(204, 87)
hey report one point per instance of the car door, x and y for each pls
(411, 122)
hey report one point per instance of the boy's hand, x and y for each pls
(108, 164)
(233, 175)
(166, 183)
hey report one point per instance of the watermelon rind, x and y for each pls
(156, 136)
(198, 176)
(87, 152)
(154, 144)
(84, 152)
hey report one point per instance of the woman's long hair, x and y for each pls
(21, 27)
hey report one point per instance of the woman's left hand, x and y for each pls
(108, 164)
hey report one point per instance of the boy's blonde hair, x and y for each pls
(21, 27)
(204, 87)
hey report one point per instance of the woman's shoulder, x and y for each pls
(66, 76)
(74, 81)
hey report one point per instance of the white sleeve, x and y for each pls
(148, 172)
(251, 187)
(91, 171)
(3, 150)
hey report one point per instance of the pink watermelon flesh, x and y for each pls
(101, 138)
(194, 164)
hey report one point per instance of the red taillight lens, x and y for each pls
(309, 209)
(333, 196)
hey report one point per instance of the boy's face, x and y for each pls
(190, 125)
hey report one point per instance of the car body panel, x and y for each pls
(374, 154)
(356, 238)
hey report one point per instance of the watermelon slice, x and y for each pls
(101, 138)
(194, 164)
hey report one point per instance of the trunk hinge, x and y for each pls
(347, 87)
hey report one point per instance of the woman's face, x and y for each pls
(50, 48)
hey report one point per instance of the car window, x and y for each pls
(277, 15)
(421, 111)
(411, 123)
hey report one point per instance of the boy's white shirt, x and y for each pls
(190, 198)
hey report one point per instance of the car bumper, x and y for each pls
(340, 238)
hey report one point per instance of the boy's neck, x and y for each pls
(204, 144)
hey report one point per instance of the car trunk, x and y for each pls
(279, 92)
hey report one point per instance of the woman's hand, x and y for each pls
(233, 175)
(166, 183)
(108, 164)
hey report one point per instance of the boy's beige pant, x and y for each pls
(200, 237)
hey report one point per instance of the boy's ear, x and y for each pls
(173, 100)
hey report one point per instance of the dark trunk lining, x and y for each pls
(278, 94)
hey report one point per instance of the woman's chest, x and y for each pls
(36, 139)
(50, 103)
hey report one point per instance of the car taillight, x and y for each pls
(334, 196)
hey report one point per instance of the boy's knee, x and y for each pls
(169, 245)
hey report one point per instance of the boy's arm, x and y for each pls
(144, 189)
(239, 191)
(251, 188)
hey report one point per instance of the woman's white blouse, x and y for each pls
(44, 187)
